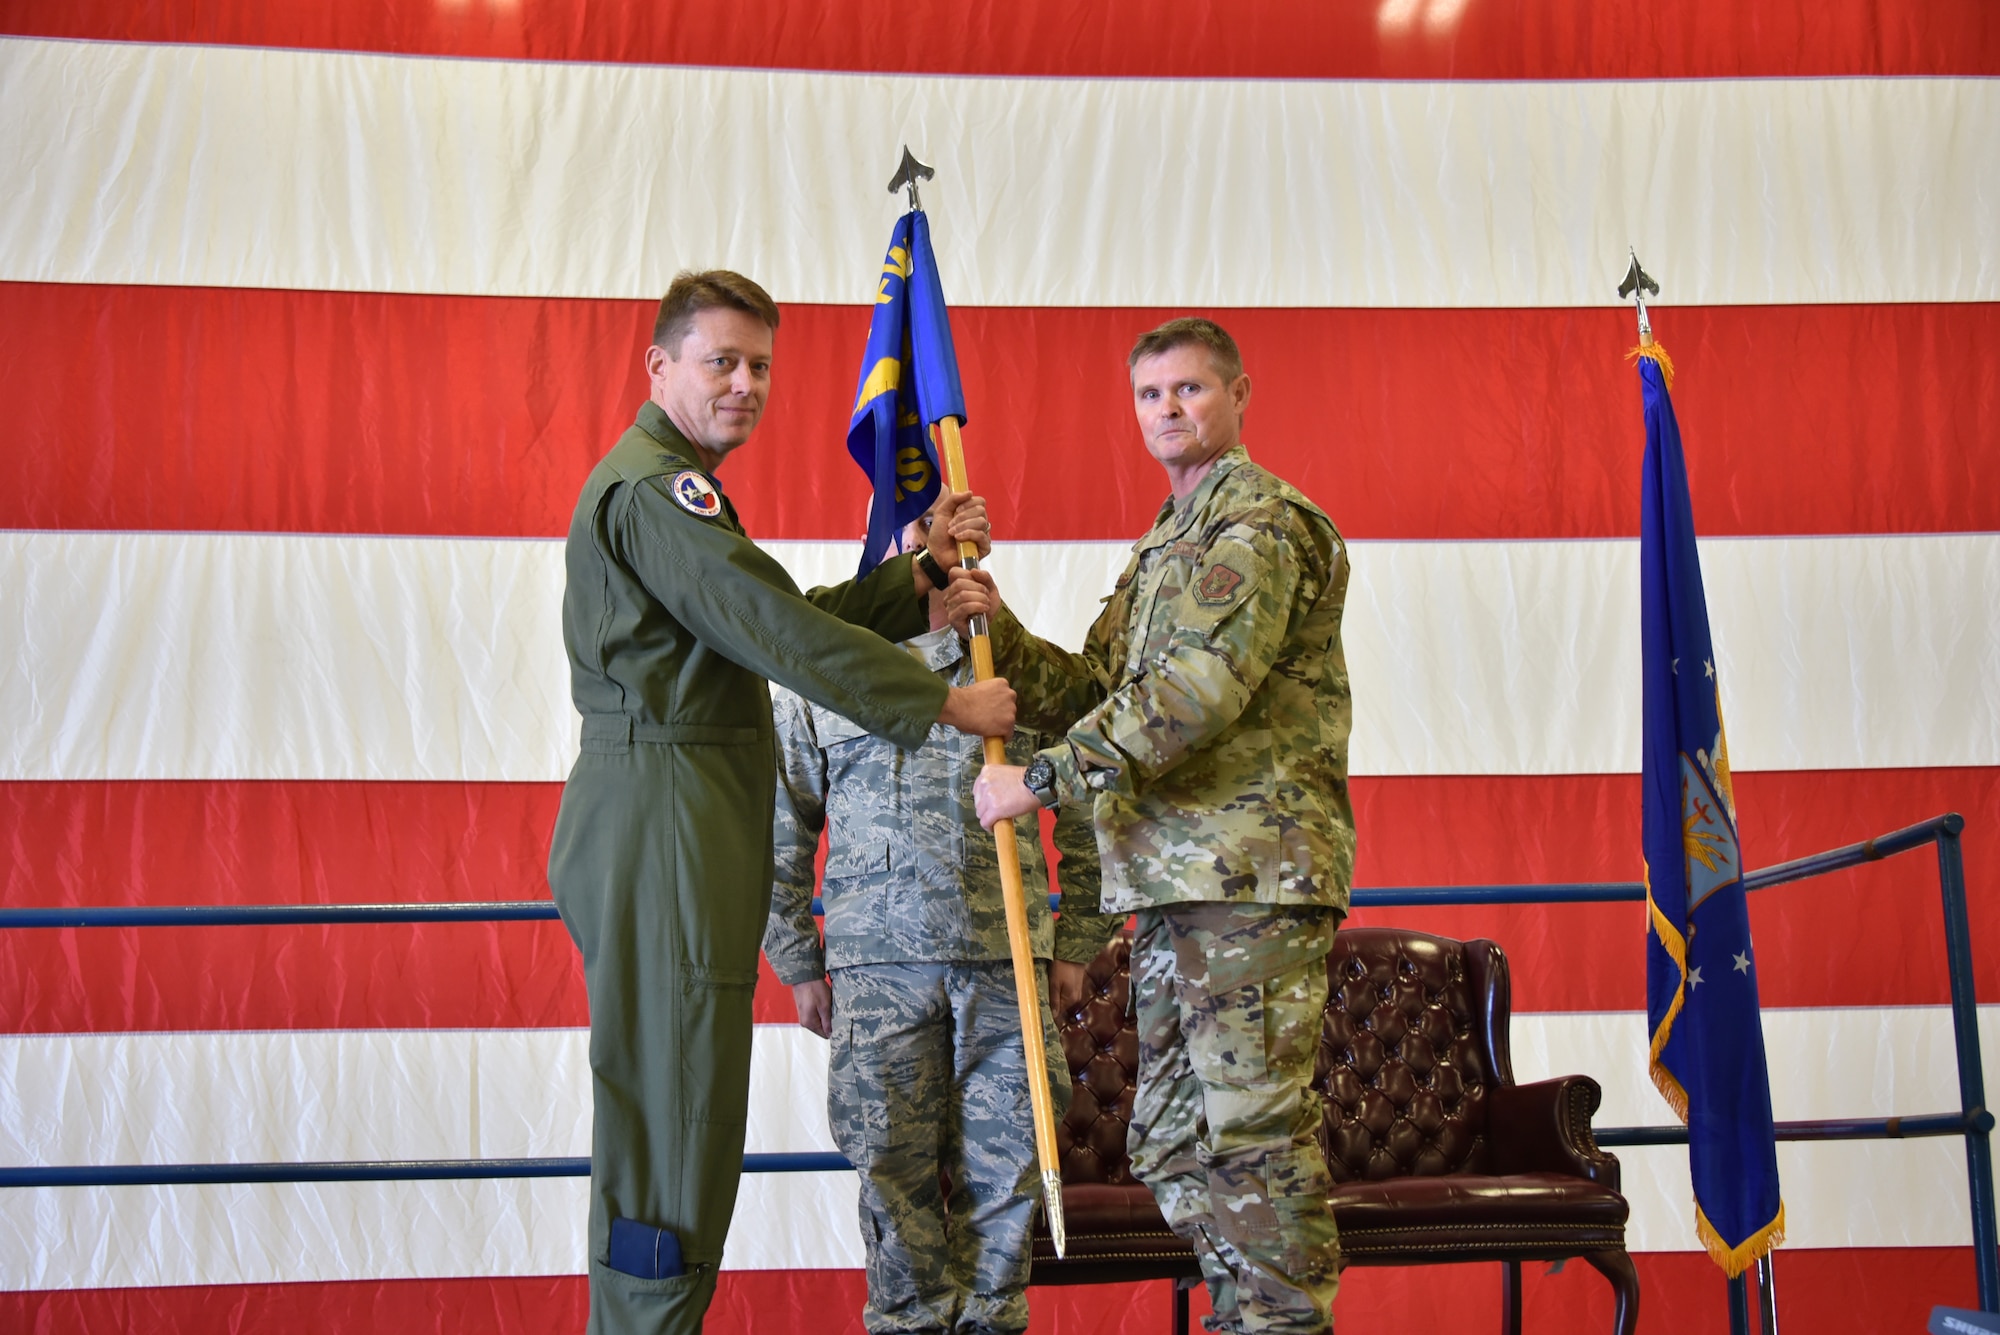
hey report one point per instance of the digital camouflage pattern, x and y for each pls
(927, 1071)
(926, 1075)
(909, 873)
(1224, 1127)
(1207, 718)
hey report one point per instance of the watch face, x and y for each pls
(1041, 776)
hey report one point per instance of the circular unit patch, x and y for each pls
(695, 494)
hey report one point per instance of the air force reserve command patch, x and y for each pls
(1216, 587)
(695, 494)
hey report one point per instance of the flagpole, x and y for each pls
(1698, 1055)
(1027, 982)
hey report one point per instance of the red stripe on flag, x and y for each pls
(249, 410)
(1830, 1292)
(296, 842)
(1421, 39)
(1872, 936)
(397, 976)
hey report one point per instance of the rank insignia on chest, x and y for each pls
(1217, 585)
(695, 494)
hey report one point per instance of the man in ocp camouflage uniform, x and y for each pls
(927, 1071)
(1205, 725)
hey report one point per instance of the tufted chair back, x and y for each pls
(1102, 1048)
(1414, 1039)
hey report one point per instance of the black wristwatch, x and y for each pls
(932, 571)
(1040, 779)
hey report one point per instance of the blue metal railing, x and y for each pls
(383, 1170)
(1973, 1120)
(536, 910)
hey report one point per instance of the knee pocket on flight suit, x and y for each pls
(651, 1304)
(635, 1285)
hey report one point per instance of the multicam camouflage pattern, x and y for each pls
(928, 1074)
(1208, 714)
(1230, 1000)
(909, 873)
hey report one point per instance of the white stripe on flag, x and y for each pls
(241, 167)
(325, 657)
(264, 1097)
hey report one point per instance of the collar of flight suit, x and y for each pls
(653, 420)
(675, 454)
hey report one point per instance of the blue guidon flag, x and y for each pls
(909, 380)
(1701, 974)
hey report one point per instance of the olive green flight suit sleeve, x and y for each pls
(882, 600)
(1081, 928)
(738, 600)
(791, 939)
(1213, 659)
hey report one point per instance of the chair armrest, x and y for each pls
(1545, 1128)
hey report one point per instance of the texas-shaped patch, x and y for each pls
(1218, 585)
(695, 494)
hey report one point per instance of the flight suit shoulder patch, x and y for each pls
(1218, 585)
(695, 494)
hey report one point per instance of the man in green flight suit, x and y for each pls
(661, 862)
(1205, 724)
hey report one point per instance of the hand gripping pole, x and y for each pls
(1026, 987)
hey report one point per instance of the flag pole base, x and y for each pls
(1052, 1204)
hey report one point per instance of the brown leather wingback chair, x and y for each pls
(1436, 1154)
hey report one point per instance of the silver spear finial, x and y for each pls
(908, 172)
(1638, 285)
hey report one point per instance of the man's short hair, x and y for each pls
(1191, 329)
(711, 289)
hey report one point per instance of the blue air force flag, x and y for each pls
(909, 379)
(1701, 974)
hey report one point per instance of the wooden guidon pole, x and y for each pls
(1026, 983)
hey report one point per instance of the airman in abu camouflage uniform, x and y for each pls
(927, 1066)
(1205, 724)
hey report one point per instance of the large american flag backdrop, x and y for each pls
(314, 317)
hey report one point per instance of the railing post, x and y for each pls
(1971, 1072)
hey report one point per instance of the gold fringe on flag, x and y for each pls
(1653, 352)
(1663, 1079)
(1735, 1260)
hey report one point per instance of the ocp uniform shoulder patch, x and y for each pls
(1218, 584)
(695, 494)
